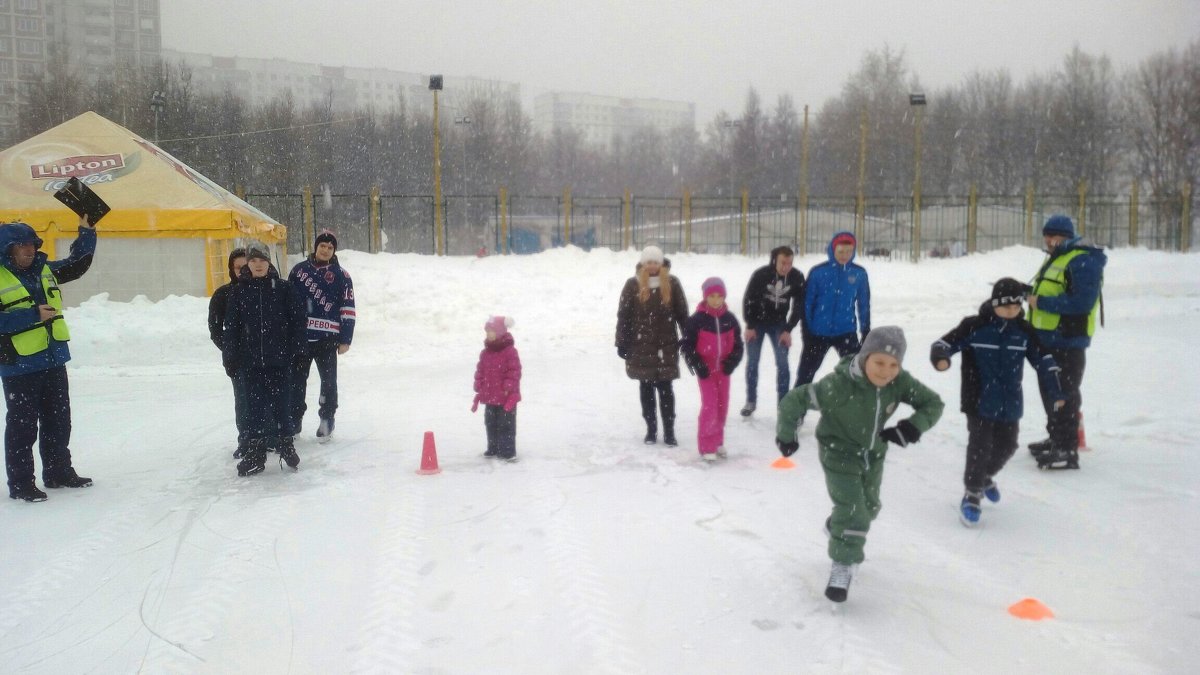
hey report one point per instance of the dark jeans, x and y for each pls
(39, 409)
(241, 410)
(754, 352)
(267, 395)
(501, 431)
(990, 444)
(815, 348)
(1063, 424)
(324, 353)
(666, 402)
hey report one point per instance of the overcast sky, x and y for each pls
(706, 51)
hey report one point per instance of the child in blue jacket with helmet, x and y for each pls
(993, 344)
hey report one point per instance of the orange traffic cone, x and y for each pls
(429, 464)
(783, 463)
(1030, 609)
(1083, 446)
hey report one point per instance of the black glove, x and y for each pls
(622, 352)
(787, 449)
(728, 366)
(902, 434)
(701, 369)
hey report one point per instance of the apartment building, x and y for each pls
(600, 119)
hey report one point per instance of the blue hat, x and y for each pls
(1059, 224)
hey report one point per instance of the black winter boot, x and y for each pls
(287, 453)
(255, 459)
(27, 492)
(67, 479)
(646, 394)
(1040, 447)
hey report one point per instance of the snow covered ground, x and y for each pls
(597, 554)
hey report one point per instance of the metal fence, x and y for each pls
(885, 226)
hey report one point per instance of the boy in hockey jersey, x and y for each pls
(498, 388)
(712, 348)
(329, 300)
(993, 343)
(855, 402)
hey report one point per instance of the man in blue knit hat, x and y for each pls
(1063, 308)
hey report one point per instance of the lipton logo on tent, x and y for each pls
(85, 165)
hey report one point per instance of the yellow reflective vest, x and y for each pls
(14, 296)
(1051, 282)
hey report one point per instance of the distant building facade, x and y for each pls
(600, 119)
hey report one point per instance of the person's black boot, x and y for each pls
(67, 479)
(651, 433)
(1040, 447)
(241, 449)
(1059, 458)
(255, 459)
(287, 453)
(26, 492)
(669, 435)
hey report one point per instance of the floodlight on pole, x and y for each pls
(158, 102)
(435, 85)
(917, 101)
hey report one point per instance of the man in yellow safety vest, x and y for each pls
(1063, 307)
(33, 357)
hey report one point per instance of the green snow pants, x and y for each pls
(854, 491)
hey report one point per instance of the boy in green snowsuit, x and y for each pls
(856, 401)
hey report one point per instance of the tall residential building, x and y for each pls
(602, 118)
(97, 37)
(259, 81)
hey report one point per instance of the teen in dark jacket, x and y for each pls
(772, 290)
(217, 306)
(264, 331)
(994, 343)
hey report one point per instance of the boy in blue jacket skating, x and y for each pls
(993, 344)
(837, 307)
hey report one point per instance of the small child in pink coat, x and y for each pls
(498, 387)
(712, 348)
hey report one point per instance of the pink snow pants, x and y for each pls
(714, 408)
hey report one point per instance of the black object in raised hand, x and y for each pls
(902, 434)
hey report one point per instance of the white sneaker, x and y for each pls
(722, 453)
(709, 456)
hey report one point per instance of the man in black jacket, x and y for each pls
(216, 331)
(772, 290)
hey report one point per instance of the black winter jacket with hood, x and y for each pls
(769, 295)
(220, 300)
(265, 323)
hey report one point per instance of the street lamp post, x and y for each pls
(158, 102)
(435, 85)
(463, 121)
(917, 101)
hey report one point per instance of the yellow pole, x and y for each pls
(627, 219)
(917, 187)
(1185, 222)
(376, 238)
(973, 220)
(1029, 213)
(860, 210)
(504, 218)
(1083, 188)
(240, 191)
(687, 219)
(745, 219)
(1133, 214)
(309, 219)
(439, 231)
(567, 216)
(803, 204)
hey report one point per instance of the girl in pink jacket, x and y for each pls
(498, 387)
(712, 348)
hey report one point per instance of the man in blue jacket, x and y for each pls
(1063, 308)
(33, 357)
(328, 295)
(837, 307)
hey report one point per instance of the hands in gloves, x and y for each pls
(902, 434)
(787, 449)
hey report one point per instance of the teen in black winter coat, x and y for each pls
(217, 306)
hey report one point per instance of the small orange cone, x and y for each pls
(429, 463)
(1030, 609)
(1083, 446)
(783, 463)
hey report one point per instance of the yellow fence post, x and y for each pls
(1029, 214)
(1083, 188)
(376, 235)
(504, 218)
(1133, 213)
(745, 219)
(973, 220)
(803, 203)
(309, 220)
(1185, 223)
(240, 191)
(627, 219)
(566, 216)
(687, 219)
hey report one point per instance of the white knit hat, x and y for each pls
(652, 254)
